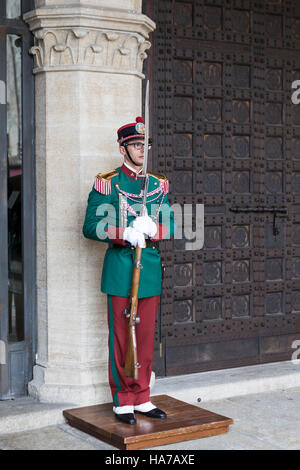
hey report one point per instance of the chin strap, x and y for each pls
(128, 155)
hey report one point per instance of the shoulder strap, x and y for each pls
(103, 182)
(163, 180)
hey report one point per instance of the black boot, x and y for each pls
(127, 418)
(155, 413)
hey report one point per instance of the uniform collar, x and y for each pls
(125, 168)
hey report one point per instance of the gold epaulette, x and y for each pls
(103, 182)
(163, 180)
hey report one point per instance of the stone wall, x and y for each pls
(88, 74)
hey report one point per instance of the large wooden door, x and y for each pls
(227, 135)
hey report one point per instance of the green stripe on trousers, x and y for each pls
(112, 352)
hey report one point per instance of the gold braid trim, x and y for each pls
(158, 176)
(107, 176)
(162, 180)
(103, 182)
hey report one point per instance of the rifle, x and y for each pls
(131, 363)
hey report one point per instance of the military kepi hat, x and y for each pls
(132, 131)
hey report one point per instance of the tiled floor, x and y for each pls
(261, 421)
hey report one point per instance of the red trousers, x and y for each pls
(125, 390)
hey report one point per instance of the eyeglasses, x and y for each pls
(138, 145)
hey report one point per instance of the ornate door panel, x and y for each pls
(227, 135)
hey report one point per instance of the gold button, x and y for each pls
(153, 248)
(155, 184)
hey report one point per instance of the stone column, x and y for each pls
(88, 73)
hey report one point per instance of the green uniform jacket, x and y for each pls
(113, 203)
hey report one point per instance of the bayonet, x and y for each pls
(146, 141)
(145, 178)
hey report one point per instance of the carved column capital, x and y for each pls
(81, 38)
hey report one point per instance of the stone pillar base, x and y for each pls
(75, 394)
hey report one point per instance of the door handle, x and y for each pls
(276, 211)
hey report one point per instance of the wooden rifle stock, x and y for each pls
(131, 363)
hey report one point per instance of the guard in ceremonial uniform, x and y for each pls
(112, 216)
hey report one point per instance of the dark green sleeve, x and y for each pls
(99, 215)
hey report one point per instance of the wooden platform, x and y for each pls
(183, 423)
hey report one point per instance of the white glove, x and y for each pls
(134, 237)
(144, 224)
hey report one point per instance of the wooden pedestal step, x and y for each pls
(183, 423)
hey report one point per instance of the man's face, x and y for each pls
(136, 151)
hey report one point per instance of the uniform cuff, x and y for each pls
(115, 234)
